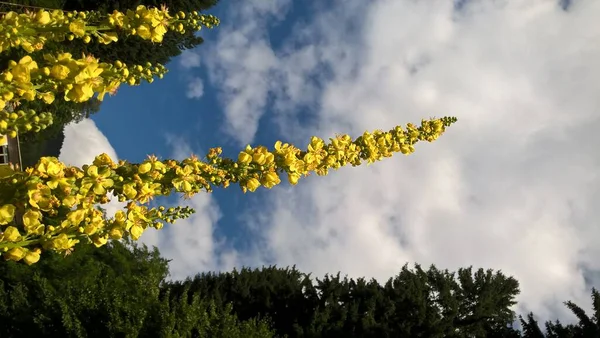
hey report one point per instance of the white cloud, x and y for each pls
(512, 186)
(83, 142)
(195, 88)
(189, 59)
(240, 63)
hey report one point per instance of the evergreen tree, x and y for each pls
(415, 303)
(112, 291)
(586, 327)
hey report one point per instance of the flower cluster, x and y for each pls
(76, 79)
(30, 31)
(52, 206)
(23, 120)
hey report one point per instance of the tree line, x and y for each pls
(121, 290)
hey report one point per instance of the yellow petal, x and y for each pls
(15, 254)
(32, 257)
(136, 231)
(7, 213)
(11, 234)
(31, 218)
(144, 168)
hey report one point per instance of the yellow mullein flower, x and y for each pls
(42, 17)
(136, 231)
(99, 240)
(77, 27)
(48, 97)
(293, 178)
(104, 159)
(144, 168)
(148, 191)
(40, 196)
(99, 180)
(59, 72)
(69, 201)
(63, 242)
(75, 217)
(31, 219)
(116, 233)
(258, 158)
(15, 254)
(7, 214)
(129, 190)
(144, 32)
(270, 180)
(32, 256)
(136, 222)
(252, 184)
(244, 158)
(116, 18)
(11, 234)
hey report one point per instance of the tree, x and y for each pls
(415, 303)
(110, 292)
(586, 327)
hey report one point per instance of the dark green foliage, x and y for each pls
(105, 291)
(415, 303)
(113, 291)
(119, 290)
(586, 327)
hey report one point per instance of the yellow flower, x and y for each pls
(258, 158)
(11, 234)
(129, 190)
(15, 254)
(42, 17)
(157, 33)
(100, 240)
(120, 217)
(79, 93)
(252, 184)
(109, 37)
(7, 213)
(63, 242)
(60, 72)
(136, 231)
(244, 158)
(31, 218)
(270, 180)
(21, 72)
(99, 180)
(144, 168)
(116, 233)
(48, 97)
(40, 196)
(144, 32)
(293, 178)
(69, 201)
(75, 217)
(77, 27)
(116, 18)
(32, 256)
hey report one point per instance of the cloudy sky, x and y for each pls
(513, 186)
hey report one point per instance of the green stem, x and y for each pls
(7, 246)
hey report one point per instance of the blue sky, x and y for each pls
(512, 186)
